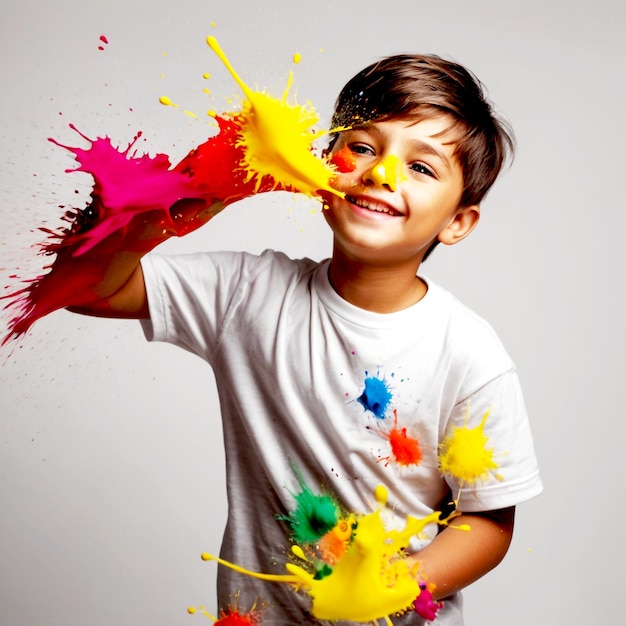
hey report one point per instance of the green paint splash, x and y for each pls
(314, 515)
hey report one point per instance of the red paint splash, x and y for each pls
(235, 618)
(404, 449)
(104, 40)
(137, 202)
(232, 617)
(344, 160)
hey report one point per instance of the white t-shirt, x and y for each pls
(308, 381)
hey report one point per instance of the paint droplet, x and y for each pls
(167, 102)
(381, 494)
(206, 76)
(297, 550)
(297, 57)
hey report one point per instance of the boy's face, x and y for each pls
(403, 194)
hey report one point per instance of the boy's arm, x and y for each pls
(128, 300)
(457, 558)
(120, 290)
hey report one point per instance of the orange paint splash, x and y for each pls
(371, 581)
(335, 543)
(405, 450)
(464, 453)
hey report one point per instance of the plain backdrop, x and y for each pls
(111, 461)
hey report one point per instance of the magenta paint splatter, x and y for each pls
(376, 396)
(130, 193)
(424, 605)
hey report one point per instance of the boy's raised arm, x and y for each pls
(118, 289)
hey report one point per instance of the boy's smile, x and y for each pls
(403, 194)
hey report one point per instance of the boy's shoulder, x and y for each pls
(468, 335)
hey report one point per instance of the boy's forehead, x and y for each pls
(443, 127)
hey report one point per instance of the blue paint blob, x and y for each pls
(375, 397)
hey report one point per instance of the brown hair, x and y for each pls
(423, 86)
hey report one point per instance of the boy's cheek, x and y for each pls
(343, 159)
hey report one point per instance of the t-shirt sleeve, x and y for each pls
(190, 296)
(487, 452)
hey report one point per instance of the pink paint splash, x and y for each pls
(137, 202)
(424, 605)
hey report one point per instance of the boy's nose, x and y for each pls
(387, 172)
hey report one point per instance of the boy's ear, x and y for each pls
(461, 225)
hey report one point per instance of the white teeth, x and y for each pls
(378, 208)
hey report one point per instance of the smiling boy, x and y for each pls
(292, 342)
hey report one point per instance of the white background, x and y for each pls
(111, 463)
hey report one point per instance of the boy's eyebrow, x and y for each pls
(422, 146)
(417, 144)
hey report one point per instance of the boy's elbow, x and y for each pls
(130, 301)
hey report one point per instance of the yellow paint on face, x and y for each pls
(371, 581)
(464, 453)
(389, 172)
(278, 138)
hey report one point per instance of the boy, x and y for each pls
(299, 347)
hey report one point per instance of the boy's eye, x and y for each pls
(420, 168)
(361, 148)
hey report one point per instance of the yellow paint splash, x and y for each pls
(371, 581)
(389, 172)
(278, 137)
(464, 453)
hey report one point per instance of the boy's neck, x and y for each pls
(374, 287)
